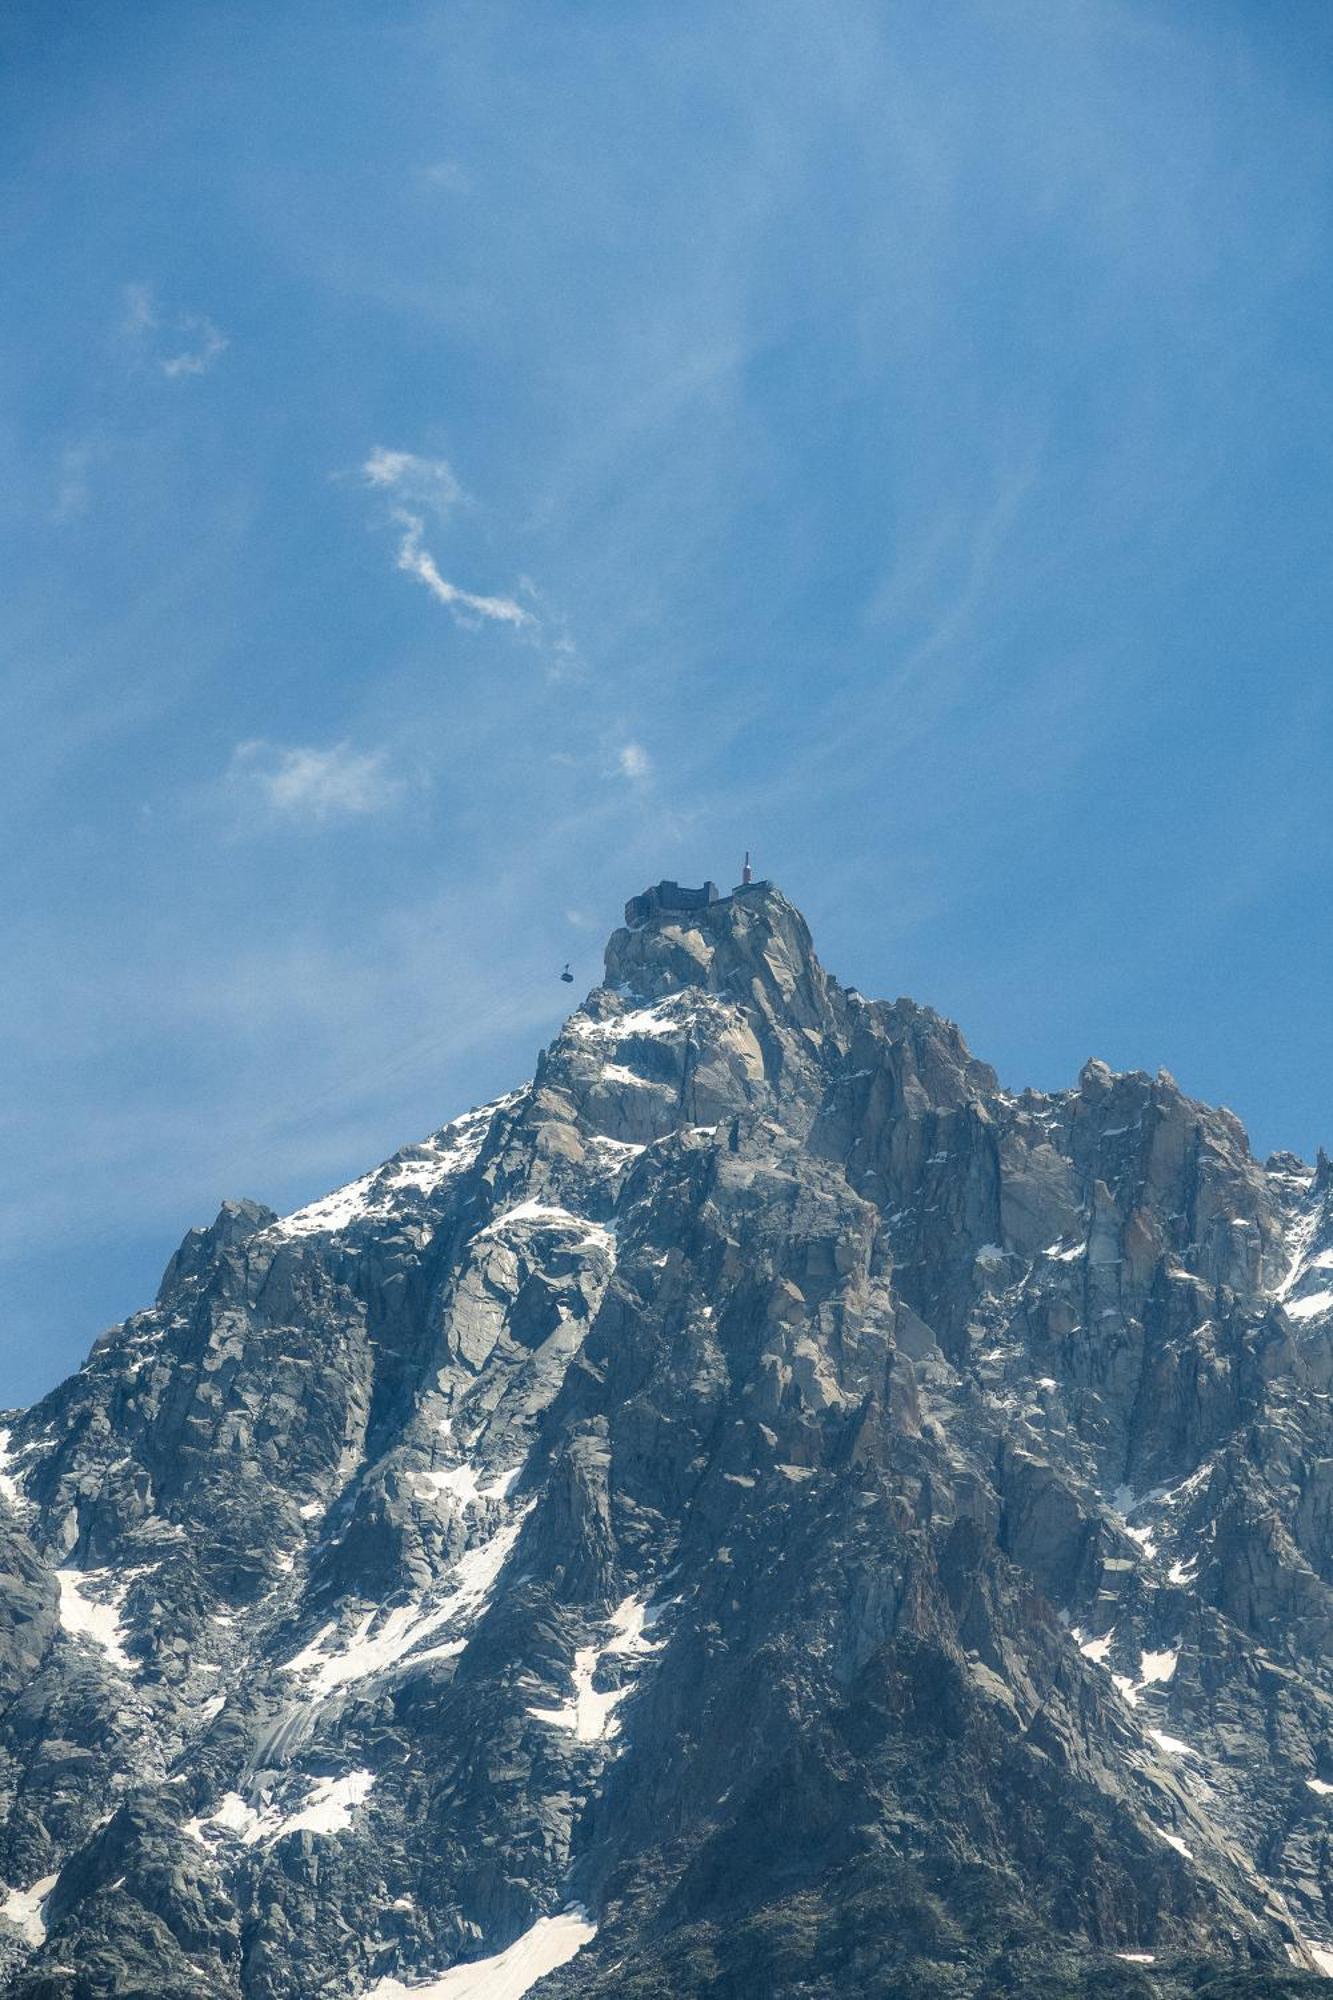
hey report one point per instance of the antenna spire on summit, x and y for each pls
(747, 873)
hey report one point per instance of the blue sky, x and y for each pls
(466, 461)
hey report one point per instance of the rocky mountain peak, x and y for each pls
(751, 946)
(759, 1508)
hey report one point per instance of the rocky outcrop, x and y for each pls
(761, 1490)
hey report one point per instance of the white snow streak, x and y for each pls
(618, 1073)
(595, 1235)
(328, 1664)
(1303, 1265)
(591, 1713)
(623, 1149)
(551, 1942)
(1302, 1235)
(8, 1487)
(1174, 1840)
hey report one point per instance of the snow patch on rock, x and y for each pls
(23, 1908)
(591, 1712)
(327, 1809)
(1158, 1667)
(1172, 1745)
(1311, 1306)
(664, 1019)
(98, 1619)
(543, 1215)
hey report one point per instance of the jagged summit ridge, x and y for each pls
(759, 1508)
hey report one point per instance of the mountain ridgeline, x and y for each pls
(761, 1511)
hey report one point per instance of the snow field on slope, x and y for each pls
(551, 1942)
(327, 1664)
(417, 1171)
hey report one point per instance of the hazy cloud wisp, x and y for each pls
(197, 342)
(422, 482)
(303, 783)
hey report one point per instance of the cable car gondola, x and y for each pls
(567, 976)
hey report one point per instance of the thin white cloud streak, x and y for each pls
(634, 761)
(429, 484)
(415, 559)
(303, 783)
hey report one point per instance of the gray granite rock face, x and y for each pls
(844, 1527)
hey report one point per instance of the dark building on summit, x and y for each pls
(665, 896)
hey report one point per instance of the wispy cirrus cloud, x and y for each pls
(309, 785)
(207, 344)
(177, 344)
(415, 559)
(420, 486)
(413, 479)
(633, 761)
